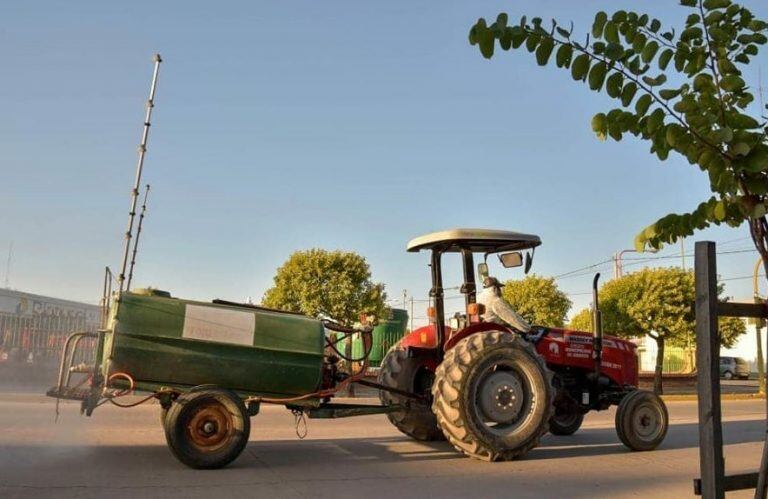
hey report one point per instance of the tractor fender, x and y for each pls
(426, 336)
(475, 328)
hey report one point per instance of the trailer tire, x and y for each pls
(207, 429)
(410, 374)
(642, 420)
(563, 423)
(493, 396)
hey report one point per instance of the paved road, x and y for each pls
(122, 453)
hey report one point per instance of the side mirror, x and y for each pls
(509, 260)
(482, 271)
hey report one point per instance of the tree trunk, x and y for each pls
(657, 388)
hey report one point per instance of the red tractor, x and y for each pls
(494, 390)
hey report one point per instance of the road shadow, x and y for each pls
(319, 454)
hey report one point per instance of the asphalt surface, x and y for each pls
(121, 453)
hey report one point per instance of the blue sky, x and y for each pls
(288, 125)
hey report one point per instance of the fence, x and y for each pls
(40, 338)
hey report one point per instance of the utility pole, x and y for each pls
(759, 323)
(8, 266)
(411, 315)
(682, 251)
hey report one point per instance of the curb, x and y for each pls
(724, 396)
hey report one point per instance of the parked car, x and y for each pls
(734, 367)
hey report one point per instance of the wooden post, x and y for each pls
(708, 365)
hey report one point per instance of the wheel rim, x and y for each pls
(647, 422)
(503, 398)
(209, 427)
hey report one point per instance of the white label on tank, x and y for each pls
(219, 325)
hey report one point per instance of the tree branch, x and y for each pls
(647, 89)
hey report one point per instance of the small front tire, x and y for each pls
(642, 420)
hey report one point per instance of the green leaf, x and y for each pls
(664, 58)
(597, 75)
(597, 27)
(600, 125)
(655, 120)
(726, 67)
(580, 67)
(740, 149)
(643, 103)
(611, 33)
(742, 121)
(649, 52)
(688, 3)
(613, 85)
(544, 51)
(519, 35)
(719, 211)
(532, 42)
(614, 51)
(716, 4)
(731, 83)
(638, 44)
(655, 82)
(628, 93)
(724, 134)
(655, 25)
(563, 56)
(669, 93)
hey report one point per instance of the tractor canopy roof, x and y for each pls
(475, 240)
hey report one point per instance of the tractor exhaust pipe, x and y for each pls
(597, 327)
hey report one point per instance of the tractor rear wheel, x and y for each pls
(410, 374)
(642, 420)
(565, 422)
(207, 429)
(493, 396)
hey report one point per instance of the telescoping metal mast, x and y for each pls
(139, 168)
(138, 235)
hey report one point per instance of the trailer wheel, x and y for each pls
(565, 422)
(207, 429)
(493, 396)
(410, 374)
(642, 420)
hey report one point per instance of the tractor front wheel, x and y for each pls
(642, 420)
(493, 396)
(207, 429)
(416, 419)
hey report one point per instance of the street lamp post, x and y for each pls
(618, 266)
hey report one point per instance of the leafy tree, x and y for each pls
(730, 330)
(582, 321)
(538, 300)
(683, 91)
(332, 283)
(658, 303)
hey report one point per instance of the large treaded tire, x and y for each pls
(191, 412)
(409, 374)
(456, 400)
